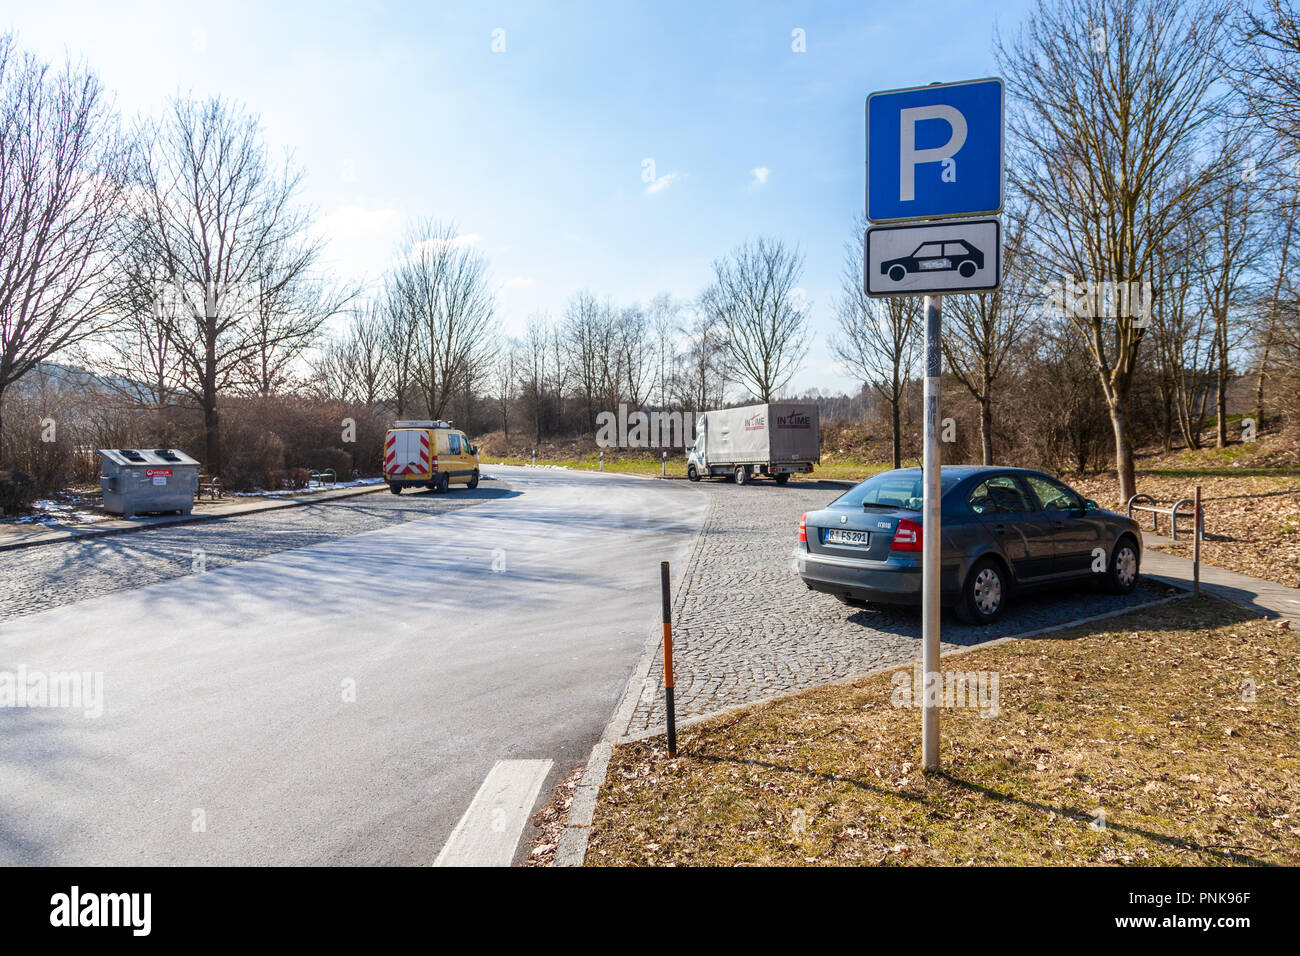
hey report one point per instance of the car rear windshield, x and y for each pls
(892, 490)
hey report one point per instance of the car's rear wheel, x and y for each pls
(897, 273)
(1122, 574)
(444, 484)
(966, 269)
(983, 593)
(395, 488)
(691, 473)
(742, 474)
(782, 478)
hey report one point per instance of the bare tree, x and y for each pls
(700, 382)
(588, 336)
(213, 211)
(439, 292)
(1228, 247)
(753, 300)
(61, 178)
(1111, 100)
(1266, 65)
(1182, 334)
(879, 340)
(355, 366)
(506, 374)
(285, 318)
(664, 319)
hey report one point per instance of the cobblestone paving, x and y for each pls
(746, 628)
(51, 575)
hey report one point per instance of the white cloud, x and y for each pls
(662, 183)
(760, 174)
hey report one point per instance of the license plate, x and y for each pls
(843, 536)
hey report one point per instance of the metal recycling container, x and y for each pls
(143, 480)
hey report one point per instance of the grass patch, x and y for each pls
(640, 465)
(1145, 721)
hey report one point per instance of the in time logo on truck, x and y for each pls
(755, 423)
(794, 420)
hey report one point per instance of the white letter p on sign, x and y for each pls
(909, 156)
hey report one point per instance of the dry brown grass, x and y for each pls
(1145, 720)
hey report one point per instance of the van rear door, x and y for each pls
(407, 453)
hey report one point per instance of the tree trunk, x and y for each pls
(2, 426)
(1123, 448)
(897, 431)
(1221, 397)
(986, 428)
(212, 436)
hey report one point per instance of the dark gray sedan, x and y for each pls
(1004, 530)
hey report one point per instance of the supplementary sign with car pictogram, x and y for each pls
(959, 256)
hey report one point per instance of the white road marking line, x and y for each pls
(489, 832)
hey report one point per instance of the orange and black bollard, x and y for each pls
(668, 658)
(1196, 544)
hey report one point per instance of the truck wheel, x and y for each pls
(742, 474)
(782, 478)
(395, 488)
(443, 482)
(473, 481)
(691, 473)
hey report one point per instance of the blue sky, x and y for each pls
(399, 110)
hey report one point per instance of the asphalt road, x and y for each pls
(340, 702)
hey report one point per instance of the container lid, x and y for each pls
(147, 456)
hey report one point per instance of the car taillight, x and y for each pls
(803, 527)
(907, 536)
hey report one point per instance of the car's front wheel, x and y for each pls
(897, 273)
(473, 481)
(1122, 575)
(983, 594)
(691, 473)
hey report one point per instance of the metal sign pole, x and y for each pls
(931, 538)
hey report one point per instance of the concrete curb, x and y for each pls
(572, 847)
(890, 668)
(167, 522)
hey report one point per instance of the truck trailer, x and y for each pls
(778, 439)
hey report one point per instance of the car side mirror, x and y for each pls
(1090, 505)
(473, 449)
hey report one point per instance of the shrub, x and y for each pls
(17, 492)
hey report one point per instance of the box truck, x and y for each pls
(778, 439)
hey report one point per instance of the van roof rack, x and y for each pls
(422, 423)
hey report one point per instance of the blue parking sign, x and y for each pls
(935, 152)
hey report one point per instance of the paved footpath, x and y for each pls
(1265, 597)
(747, 629)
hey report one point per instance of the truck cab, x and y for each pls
(429, 454)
